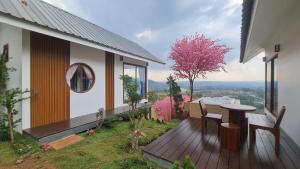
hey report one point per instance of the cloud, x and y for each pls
(146, 34)
(157, 24)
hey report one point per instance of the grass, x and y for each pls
(102, 150)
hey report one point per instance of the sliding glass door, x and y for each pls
(271, 94)
(139, 74)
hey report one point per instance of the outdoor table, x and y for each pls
(237, 115)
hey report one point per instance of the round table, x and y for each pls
(237, 115)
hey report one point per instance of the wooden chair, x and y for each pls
(209, 116)
(274, 129)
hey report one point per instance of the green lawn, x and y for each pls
(102, 150)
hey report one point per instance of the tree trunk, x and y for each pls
(170, 99)
(191, 89)
(10, 126)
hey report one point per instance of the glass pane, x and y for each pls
(268, 85)
(141, 80)
(80, 77)
(129, 70)
(275, 92)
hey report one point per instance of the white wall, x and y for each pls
(287, 35)
(91, 101)
(13, 37)
(26, 79)
(80, 103)
(118, 82)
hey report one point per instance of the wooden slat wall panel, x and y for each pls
(109, 81)
(50, 59)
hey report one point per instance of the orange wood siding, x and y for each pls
(50, 59)
(109, 81)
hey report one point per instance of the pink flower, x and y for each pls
(46, 147)
(90, 132)
(163, 108)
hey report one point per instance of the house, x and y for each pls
(273, 27)
(72, 67)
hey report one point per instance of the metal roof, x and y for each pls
(46, 15)
(246, 21)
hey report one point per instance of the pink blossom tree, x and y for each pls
(196, 55)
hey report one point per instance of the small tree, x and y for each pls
(8, 99)
(174, 93)
(131, 88)
(196, 55)
(152, 96)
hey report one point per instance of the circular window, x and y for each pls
(80, 77)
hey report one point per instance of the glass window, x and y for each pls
(275, 87)
(5, 53)
(271, 100)
(138, 73)
(268, 85)
(80, 77)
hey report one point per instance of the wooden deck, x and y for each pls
(205, 152)
(51, 132)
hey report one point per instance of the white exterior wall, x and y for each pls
(26, 79)
(118, 82)
(13, 37)
(80, 103)
(91, 101)
(287, 35)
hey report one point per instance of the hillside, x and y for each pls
(162, 86)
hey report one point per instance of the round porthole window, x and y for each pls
(80, 78)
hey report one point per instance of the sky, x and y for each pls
(156, 24)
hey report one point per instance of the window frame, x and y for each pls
(93, 74)
(5, 52)
(272, 87)
(146, 78)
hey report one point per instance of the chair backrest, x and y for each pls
(203, 108)
(279, 117)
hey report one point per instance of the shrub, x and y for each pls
(187, 164)
(145, 112)
(23, 146)
(4, 136)
(152, 96)
(174, 93)
(137, 163)
(139, 113)
(124, 116)
(176, 165)
(109, 122)
(46, 147)
(90, 132)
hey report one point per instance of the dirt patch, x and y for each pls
(30, 163)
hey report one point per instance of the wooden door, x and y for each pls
(50, 98)
(109, 81)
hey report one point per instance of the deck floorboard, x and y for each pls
(205, 151)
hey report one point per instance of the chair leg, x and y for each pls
(252, 134)
(219, 130)
(203, 125)
(277, 142)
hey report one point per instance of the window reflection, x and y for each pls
(138, 73)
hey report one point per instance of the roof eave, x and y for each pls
(32, 26)
(247, 13)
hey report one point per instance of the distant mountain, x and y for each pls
(200, 85)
